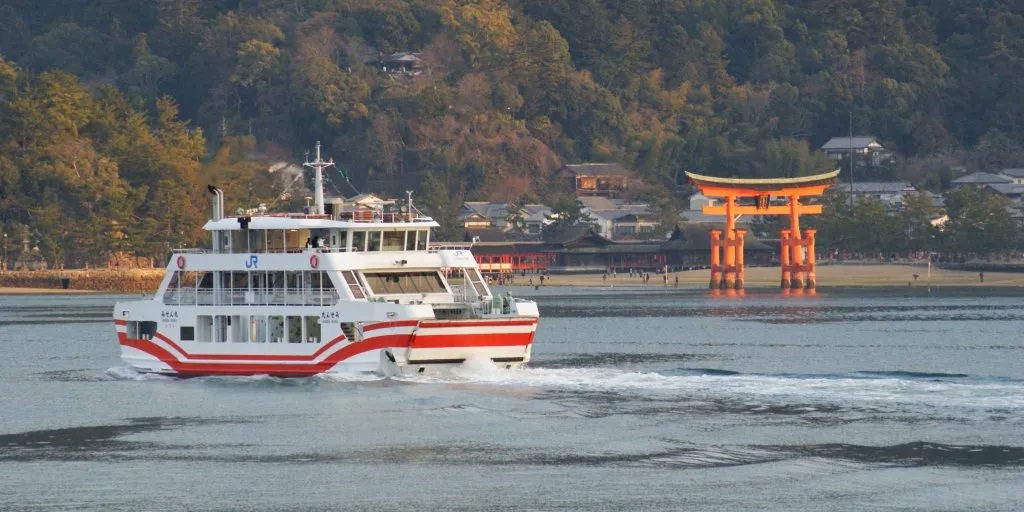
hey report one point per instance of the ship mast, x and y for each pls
(318, 166)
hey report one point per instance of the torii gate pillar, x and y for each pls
(796, 252)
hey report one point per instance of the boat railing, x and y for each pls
(379, 216)
(251, 297)
(449, 246)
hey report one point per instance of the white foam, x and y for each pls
(773, 389)
(129, 373)
(351, 377)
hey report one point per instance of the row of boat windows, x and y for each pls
(254, 329)
(240, 329)
(309, 287)
(292, 240)
(270, 280)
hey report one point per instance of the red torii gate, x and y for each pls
(796, 251)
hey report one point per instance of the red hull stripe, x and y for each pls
(303, 365)
(472, 340)
(297, 370)
(390, 325)
(252, 357)
(428, 324)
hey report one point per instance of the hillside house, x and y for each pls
(863, 147)
(607, 180)
(402, 63)
(889, 193)
(482, 214)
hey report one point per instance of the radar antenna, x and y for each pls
(318, 166)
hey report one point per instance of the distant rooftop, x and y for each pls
(878, 187)
(980, 178)
(612, 169)
(1013, 172)
(857, 142)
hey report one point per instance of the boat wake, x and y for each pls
(865, 391)
(129, 373)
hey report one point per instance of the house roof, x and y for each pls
(579, 233)
(597, 169)
(980, 178)
(536, 212)
(485, 235)
(599, 202)
(879, 187)
(697, 237)
(1007, 189)
(403, 57)
(1013, 172)
(848, 143)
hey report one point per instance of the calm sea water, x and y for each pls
(636, 400)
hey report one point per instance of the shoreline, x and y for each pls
(889, 275)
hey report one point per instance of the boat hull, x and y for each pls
(390, 348)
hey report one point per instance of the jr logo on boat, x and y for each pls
(252, 262)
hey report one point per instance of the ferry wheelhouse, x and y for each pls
(297, 294)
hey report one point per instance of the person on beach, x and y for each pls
(981, 277)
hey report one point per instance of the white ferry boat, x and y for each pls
(340, 289)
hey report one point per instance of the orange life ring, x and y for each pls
(181, 261)
(314, 261)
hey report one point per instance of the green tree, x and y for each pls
(917, 217)
(980, 222)
(565, 213)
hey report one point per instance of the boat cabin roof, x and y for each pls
(303, 221)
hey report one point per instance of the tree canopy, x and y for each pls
(114, 113)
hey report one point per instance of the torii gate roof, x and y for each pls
(802, 185)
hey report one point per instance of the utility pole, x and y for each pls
(850, 147)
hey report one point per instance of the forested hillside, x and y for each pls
(118, 112)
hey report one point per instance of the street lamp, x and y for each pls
(3, 260)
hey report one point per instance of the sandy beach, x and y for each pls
(887, 275)
(41, 291)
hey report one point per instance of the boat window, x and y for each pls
(204, 328)
(373, 241)
(238, 240)
(359, 240)
(276, 240)
(295, 239)
(188, 333)
(257, 240)
(422, 237)
(220, 328)
(410, 240)
(404, 282)
(312, 328)
(353, 284)
(294, 326)
(147, 330)
(237, 333)
(258, 328)
(393, 240)
(275, 329)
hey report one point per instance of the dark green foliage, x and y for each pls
(511, 90)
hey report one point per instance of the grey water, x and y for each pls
(636, 399)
